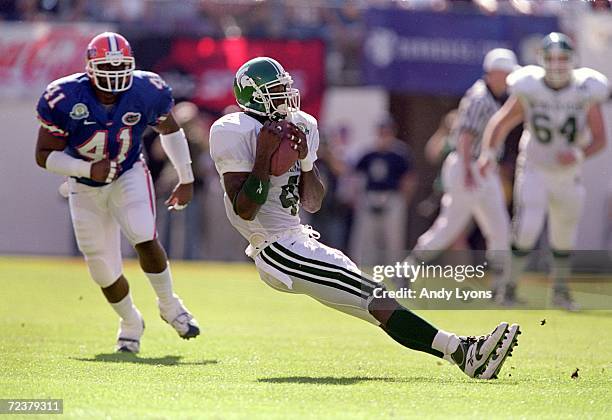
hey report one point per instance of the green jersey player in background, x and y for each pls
(287, 254)
(557, 103)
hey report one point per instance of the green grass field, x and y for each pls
(264, 354)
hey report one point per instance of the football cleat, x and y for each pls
(473, 353)
(563, 299)
(506, 296)
(128, 337)
(501, 353)
(180, 319)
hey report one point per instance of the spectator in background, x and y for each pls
(330, 220)
(184, 228)
(379, 231)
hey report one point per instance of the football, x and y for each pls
(284, 157)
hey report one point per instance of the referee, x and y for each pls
(466, 193)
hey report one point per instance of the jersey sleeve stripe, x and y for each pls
(53, 129)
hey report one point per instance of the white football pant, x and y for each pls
(485, 203)
(301, 264)
(538, 192)
(99, 214)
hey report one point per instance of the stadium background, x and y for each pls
(355, 62)
(262, 354)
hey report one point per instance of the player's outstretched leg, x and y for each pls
(478, 357)
(131, 324)
(304, 265)
(153, 262)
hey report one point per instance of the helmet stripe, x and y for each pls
(112, 41)
(278, 70)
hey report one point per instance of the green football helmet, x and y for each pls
(557, 58)
(263, 87)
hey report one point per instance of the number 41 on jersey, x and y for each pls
(96, 147)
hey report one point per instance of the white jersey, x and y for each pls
(554, 119)
(233, 142)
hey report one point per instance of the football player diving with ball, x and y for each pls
(288, 255)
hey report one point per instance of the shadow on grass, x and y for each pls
(330, 380)
(168, 360)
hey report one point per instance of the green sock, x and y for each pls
(412, 331)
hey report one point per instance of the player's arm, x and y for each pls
(576, 154)
(311, 188)
(598, 132)
(408, 185)
(249, 190)
(50, 156)
(47, 144)
(175, 146)
(497, 129)
(464, 147)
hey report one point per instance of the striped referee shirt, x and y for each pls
(475, 109)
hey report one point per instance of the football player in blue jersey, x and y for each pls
(91, 131)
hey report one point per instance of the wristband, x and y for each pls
(63, 164)
(256, 189)
(578, 154)
(176, 147)
(489, 155)
(306, 164)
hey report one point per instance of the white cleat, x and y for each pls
(128, 337)
(474, 352)
(502, 353)
(180, 319)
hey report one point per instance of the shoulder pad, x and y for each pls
(72, 79)
(477, 89)
(147, 80)
(236, 122)
(525, 79)
(593, 83)
(305, 118)
(139, 74)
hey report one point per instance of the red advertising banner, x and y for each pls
(210, 66)
(32, 55)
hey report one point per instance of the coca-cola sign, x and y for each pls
(32, 55)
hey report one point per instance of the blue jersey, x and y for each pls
(384, 169)
(69, 108)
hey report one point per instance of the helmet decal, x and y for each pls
(246, 81)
